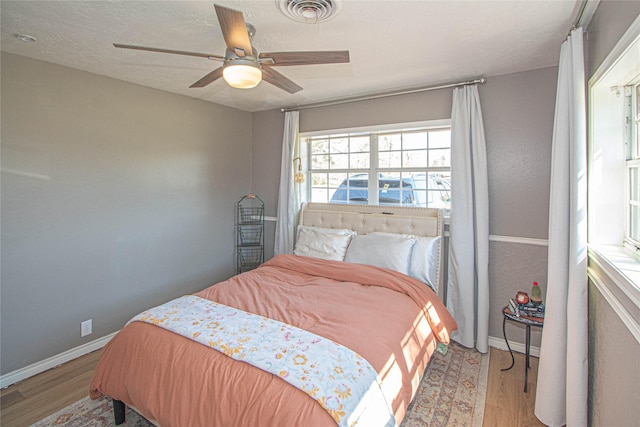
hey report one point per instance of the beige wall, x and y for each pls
(518, 118)
(115, 198)
(614, 354)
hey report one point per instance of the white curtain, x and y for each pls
(288, 203)
(561, 396)
(468, 283)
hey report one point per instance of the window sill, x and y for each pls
(615, 271)
(624, 264)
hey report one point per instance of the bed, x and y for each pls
(336, 293)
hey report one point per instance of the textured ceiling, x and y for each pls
(393, 44)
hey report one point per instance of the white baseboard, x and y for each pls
(515, 346)
(21, 374)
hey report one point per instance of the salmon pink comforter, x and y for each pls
(390, 319)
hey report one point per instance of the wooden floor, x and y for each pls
(506, 403)
(31, 400)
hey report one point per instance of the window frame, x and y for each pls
(632, 162)
(373, 132)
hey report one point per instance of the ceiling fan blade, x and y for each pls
(176, 52)
(234, 30)
(211, 77)
(275, 78)
(281, 59)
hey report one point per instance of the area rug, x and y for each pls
(451, 393)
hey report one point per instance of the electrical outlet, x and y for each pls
(85, 328)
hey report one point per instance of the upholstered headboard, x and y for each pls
(364, 219)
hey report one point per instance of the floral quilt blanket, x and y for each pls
(339, 379)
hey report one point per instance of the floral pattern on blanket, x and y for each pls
(340, 380)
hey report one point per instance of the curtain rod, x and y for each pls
(481, 80)
(576, 22)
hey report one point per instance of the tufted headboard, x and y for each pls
(364, 219)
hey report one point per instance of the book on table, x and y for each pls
(532, 310)
(526, 310)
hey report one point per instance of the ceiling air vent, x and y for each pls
(309, 11)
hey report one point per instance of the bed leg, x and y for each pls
(118, 411)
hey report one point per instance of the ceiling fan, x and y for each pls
(243, 66)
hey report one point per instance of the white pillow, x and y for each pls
(385, 250)
(424, 260)
(325, 243)
(424, 257)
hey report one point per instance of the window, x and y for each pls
(407, 166)
(632, 142)
(614, 174)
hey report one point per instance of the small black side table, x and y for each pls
(528, 322)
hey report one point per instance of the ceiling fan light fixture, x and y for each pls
(242, 74)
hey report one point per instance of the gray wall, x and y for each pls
(518, 118)
(611, 20)
(433, 105)
(115, 198)
(614, 354)
(614, 366)
(518, 112)
(268, 128)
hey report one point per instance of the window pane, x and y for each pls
(319, 179)
(339, 145)
(414, 141)
(634, 222)
(440, 139)
(360, 144)
(396, 188)
(318, 187)
(420, 189)
(320, 161)
(440, 158)
(323, 185)
(390, 142)
(319, 146)
(634, 203)
(440, 190)
(432, 190)
(353, 189)
(634, 184)
(414, 158)
(358, 186)
(339, 161)
(335, 179)
(637, 147)
(359, 161)
(389, 159)
(319, 195)
(421, 198)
